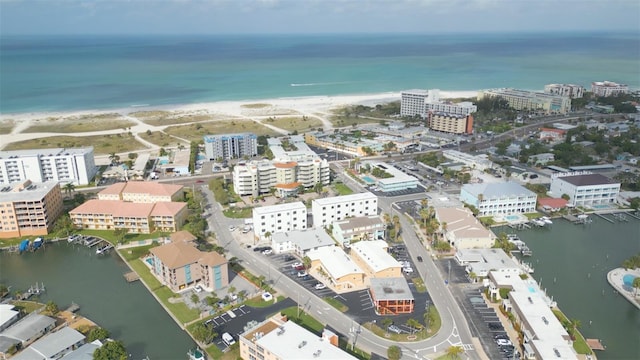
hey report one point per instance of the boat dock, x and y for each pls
(36, 289)
(104, 248)
(91, 241)
(73, 308)
(131, 276)
(595, 344)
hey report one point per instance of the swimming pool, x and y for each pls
(628, 279)
(368, 180)
(149, 261)
(601, 206)
(512, 217)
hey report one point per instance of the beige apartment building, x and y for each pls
(451, 123)
(142, 192)
(179, 265)
(29, 208)
(372, 257)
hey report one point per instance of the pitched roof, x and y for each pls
(167, 208)
(178, 254)
(462, 223)
(555, 203)
(285, 165)
(182, 236)
(151, 188)
(114, 189)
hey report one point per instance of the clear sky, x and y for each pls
(314, 16)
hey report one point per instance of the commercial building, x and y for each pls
(391, 296)
(412, 102)
(493, 199)
(463, 230)
(290, 169)
(482, 261)
(142, 192)
(180, 265)
(552, 135)
(478, 162)
(270, 220)
(29, 208)
(300, 241)
(608, 88)
(566, 90)
(372, 257)
(276, 338)
(327, 210)
(397, 180)
(333, 266)
(76, 165)
(53, 346)
(142, 218)
(584, 188)
(530, 100)
(230, 146)
(544, 337)
(358, 228)
(450, 123)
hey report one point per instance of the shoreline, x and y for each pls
(615, 279)
(313, 101)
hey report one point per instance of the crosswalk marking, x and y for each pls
(467, 347)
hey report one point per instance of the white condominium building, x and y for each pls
(412, 102)
(76, 165)
(327, 210)
(567, 90)
(279, 218)
(493, 199)
(230, 146)
(530, 100)
(585, 189)
(608, 88)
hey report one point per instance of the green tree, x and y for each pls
(454, 352)
(52, 308)
(97, 333)
(203, 333)
(4, 290)
(63, 226)
(414, 325)
(396, 226)
(112, 350)
(69, 188)
(636, 285)
(386, 322)
(394, 352)
(195, 299)
(120, 234)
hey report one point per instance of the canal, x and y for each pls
(572, 261)
(74, 273)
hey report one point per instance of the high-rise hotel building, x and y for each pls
(76, 165)
(29, 208)
(230, 146)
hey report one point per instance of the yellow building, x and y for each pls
(332, 266)
(372, 257)
(28, 208)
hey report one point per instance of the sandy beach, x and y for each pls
(317, 107)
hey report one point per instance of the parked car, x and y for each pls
(266, 296)
(320, 286)
(302, 273)
(407, 270)
(289, 258)
(296, 264)
(232, 228)
(420, 258)
(394, 329)
(267, 252)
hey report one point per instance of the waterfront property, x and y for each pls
(358, 228)
(412, 102)
(53, 346)
(29, 208)
(8, 316)
(332, 265)
(463, 230)
(499, 198)
(327, 210)
(544, 337)
(230, 146)
(26, 331)
(608, 88)
(585, 189)
(482, 261)
(277, 338)
(421, 102)
(567, 90)
(279, 218)
(530, 100)
(391, 296)
(75, 165)
(179, 265)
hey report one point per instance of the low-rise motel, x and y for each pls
(138, 207)
(29, 208)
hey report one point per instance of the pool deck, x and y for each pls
(615, 279)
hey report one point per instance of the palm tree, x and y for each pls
(413, 324)
(396, 226)
(428, 318)
(424, 215)
(69, 188)
(394, 352)
(574, 324)
(306, 261)
(636, 285)
(386, 323)
(454, 352)
(424, 203)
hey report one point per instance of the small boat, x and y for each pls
(103, 249)
(546, 220)
(582, 216)
(196, 354)
(37, 243)
(24, 245)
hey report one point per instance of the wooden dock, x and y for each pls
(131, 276)
(595, 344)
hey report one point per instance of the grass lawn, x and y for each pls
(183, 312)
(214, 353)
(136, 252)
(6, 127)
(102, 144)
(419, 284)
(238, 213)
(487, 220)
(336, 304)
(83, 123)
(339, 120)
(292, 123)
(110, 237)
(257, 302)
(145, 274)
(342, 189)
(27, 306)
(533, 215)
(195, 132)
(305, 320)
(579, 344)
(163, 118)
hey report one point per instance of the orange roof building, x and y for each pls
(179, 265)
(142, 192)
(552, 204)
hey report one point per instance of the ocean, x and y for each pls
(68, 73)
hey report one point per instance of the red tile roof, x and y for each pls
(554, 203)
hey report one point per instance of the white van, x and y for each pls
(228, 339)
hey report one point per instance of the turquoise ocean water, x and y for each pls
(60, 73)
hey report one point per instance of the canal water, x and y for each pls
(572, 261)
(74, 273)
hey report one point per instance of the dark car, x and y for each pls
(289, 258)
(420, 258)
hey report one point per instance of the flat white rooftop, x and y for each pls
(374, 253)
(335, 261)
(298, 205)
(345, 198)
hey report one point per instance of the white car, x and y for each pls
(198, 288)
(320, 286)
(296, 264)
(266, 296)
(503, 342)
(302, 273)
(267, 252)
(407, 270)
